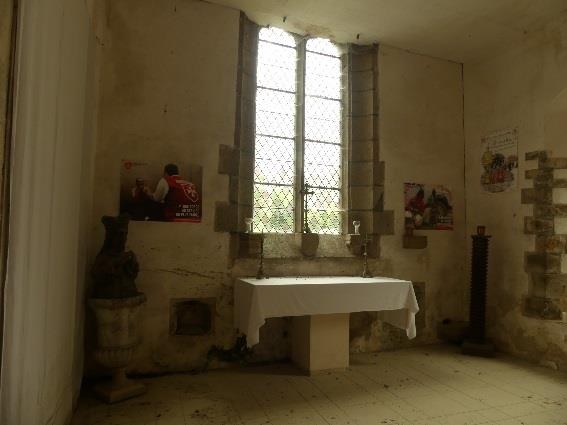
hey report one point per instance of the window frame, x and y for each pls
(300, 140)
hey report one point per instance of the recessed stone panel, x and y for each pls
(191, 317)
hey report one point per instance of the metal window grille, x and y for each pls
(298, 151)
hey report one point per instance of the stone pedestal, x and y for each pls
(321, 342)
(117, 339)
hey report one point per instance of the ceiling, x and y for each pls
(458, 30)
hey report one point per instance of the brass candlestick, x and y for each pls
(365, 272)
(260, 274)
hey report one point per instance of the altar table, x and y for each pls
(320, 308)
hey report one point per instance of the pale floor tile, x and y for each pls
(433, 385)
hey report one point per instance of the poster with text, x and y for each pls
(161, 191)
(428, 207)
(499, 161)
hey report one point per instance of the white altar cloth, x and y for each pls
(256, 300)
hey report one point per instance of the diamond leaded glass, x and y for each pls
(274, 165)
(323, 148)
(275, 180)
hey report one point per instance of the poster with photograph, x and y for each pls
(428, 207)
(161, 191)
(499, 161)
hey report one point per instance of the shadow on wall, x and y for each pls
(556, 125)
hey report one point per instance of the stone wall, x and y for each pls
(547, 293)
(524, 87)
(168, 86)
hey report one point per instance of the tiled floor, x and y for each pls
(431, 385)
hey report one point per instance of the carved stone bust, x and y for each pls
(115, 270)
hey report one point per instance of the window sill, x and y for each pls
(293, 245)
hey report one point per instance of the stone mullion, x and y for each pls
(366, 171)
(237, 161)
(362, 118)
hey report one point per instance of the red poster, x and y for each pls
(169, 191)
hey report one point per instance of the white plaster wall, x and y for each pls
(421, 141)
(50, 189)
(168, 90)
(523, 87)
(168, 87)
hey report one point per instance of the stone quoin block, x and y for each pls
(559, 196)
(533, 226)
(544, 179)
(246, 165)
(529, 156)
(379, 173)
(233, 189)
(530, 174)
(378, 198)
(362, 151)
(228, 160)
(362, 128)
(537, 285)
(544, 308)
(384, 222)
(361, 173)
(362, 81)
(361, 62)
(536, 196)
(542, 262)
(362, 103)
(557, 283)
(555, 163)
(550, 211)
(560, 225)
(226, 217)
(550, 243)
(245, 192)
(560, 183)
(361, 197)
(247, 137)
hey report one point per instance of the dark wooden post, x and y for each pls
(476, 343)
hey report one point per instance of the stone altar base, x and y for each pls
(320, 342)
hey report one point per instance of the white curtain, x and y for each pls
(50, 196)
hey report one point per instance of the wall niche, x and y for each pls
(192, 316)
